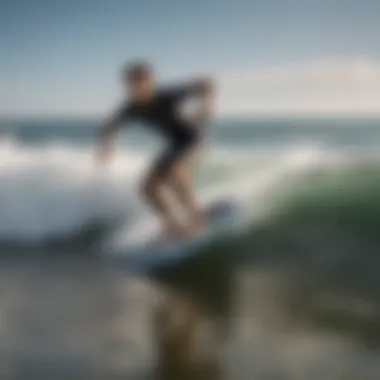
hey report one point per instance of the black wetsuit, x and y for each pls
(162, 115)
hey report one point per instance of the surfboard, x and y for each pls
(221, 217)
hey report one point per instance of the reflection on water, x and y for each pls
(214, 317)
(70, 318)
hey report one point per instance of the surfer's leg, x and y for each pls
(183, 188)
(180, 181)
(153, 190)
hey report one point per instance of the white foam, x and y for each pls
(56, 190)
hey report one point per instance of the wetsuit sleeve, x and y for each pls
(117, 120)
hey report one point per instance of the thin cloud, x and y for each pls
(322, 87)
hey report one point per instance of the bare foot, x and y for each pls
(173, 234)
(197, 227)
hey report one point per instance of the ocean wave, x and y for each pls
(341, 198)
(56, 191)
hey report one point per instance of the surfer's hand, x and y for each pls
(103, 154)
(207, 101)
(206, 85)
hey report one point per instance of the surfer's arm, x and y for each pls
(203, 90)
(198, 88)
(108, 132)
(207, 91)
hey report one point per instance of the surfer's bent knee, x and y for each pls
(150, 186)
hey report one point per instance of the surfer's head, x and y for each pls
(140, 80)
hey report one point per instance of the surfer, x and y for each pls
(171, 172)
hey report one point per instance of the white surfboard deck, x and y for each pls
(221, 217)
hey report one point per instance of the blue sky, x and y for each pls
(63, 56)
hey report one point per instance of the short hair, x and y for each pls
(136, 70)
